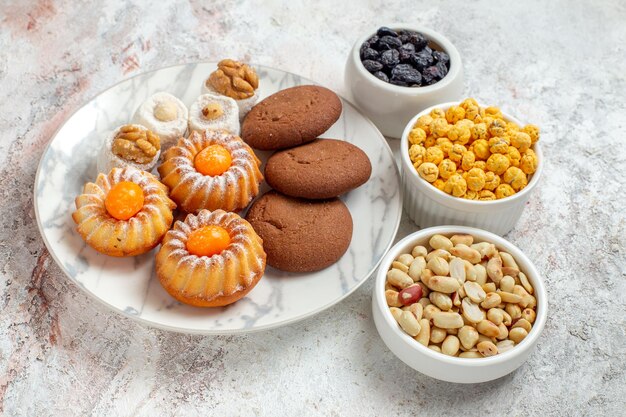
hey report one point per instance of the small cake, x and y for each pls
(291, 117)
(211, 170)
(210, 260)
(235, 80)
(129, 145)
(124, 213)
(301, 235)
(324, 168)
(165, 115)
(215, 112)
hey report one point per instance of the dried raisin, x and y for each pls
(372, 66)
(390, 58)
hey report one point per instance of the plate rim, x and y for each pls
(183, 330)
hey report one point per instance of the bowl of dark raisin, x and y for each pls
(399, 70)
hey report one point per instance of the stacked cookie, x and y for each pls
(305, 227)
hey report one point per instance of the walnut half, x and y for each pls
(234, 79)
(134, 144)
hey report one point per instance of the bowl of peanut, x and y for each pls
(467, 164)
(459, 304)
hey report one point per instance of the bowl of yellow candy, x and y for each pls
(470, 165)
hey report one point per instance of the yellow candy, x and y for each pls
(514, 156)
(468, 102)
(498, 144)
(417, 136)
(516, 178)
(532, 131)
(467, 162)
(476, 179)
(471, 195)
(486, 195)
(424, 123)
(473, 113)
(454, 114)
(480, 164)
(479, 131)
(428, 171)
(498, 163)
(444, 144)
(511, 127)
(521, 141)
(446, 169)
(417, 153)
(439, 128)
(434, 155)
(473, 152)
(465, 123)
(456, 186)
(437, 113)
(494, 112)
(497, 127)
(491, 181)
(439, 184)
(480, 148)
(529, 162)
(459, 134)
(504, 190)
(456, 153)
(488, 121)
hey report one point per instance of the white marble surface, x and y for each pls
(559, 64)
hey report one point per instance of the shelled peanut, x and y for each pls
(472, 152)
(460, 297)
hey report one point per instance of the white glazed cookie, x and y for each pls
(142, 156)
(165, 115)
(244, 105)
(216, 112)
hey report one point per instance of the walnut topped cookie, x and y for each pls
(236, 80)
(129, 145)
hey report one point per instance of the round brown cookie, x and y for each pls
(324, 168)
(291, 117)
(301, 235)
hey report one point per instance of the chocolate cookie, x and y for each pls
(324, 168)
(291, 117)
(301, 235)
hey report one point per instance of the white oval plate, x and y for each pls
(129, 285)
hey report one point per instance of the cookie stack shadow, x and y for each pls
(304, 225)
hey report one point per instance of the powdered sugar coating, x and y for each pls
(244, 105)
(234, 269)
(168, 132)
(231, 191)
(107, 160)
(228, 121)
(129, 237)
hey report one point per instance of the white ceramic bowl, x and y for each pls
(391, 106)
(428, 206)
(438, 365)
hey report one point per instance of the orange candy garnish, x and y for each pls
(208, 241)
(124, 200)
(213, 160)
